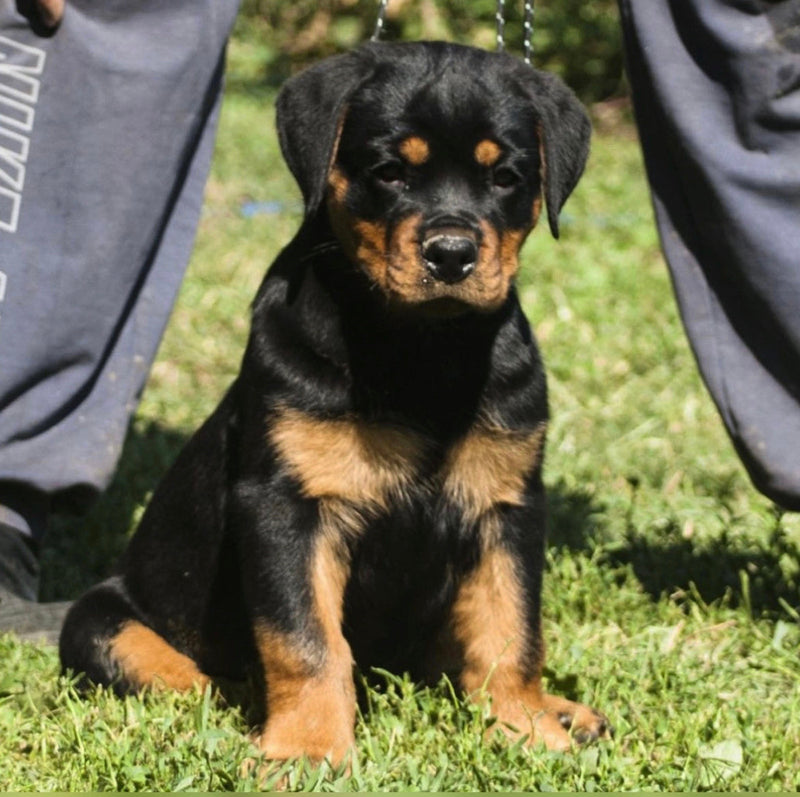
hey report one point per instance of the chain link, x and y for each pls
(527, 32)
(500, 22)
(527, 29)
(379, 22)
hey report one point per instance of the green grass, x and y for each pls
(672, 587)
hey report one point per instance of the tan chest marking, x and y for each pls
(355, 461)
(490, 466)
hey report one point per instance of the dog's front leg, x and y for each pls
(295, 576)
(495, 626)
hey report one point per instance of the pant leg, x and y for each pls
(106, 134)
(716, 89)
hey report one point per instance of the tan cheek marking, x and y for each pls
(536, 211)
(487, 153)
(345, 459)
(405, 267)
(490, 246)
(489, 467)
(510, 243)
(370, 249)
(415, 150)
(365, 242)
(310, 693)
(147, 659)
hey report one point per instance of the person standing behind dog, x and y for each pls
(106, 133)
(716, 90)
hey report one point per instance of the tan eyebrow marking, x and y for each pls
(487, 153)
(415, 150)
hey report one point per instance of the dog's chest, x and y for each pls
(410, 514)
(364, 471)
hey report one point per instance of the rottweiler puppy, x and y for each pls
(369, 489)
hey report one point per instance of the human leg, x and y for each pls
(716, 90)
(106, 133)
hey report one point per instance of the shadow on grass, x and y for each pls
(759, 573)
(80, 551)
(760, 578)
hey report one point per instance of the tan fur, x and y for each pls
(371, 248)
(488, 624)
(415, 150)
(310, 693)
(146, 659)
(337, 185)
(344, 459)
(392, 260)
(487, 152)
(542, 162)
(486, 288)
(405, 270)
(510, 243)
(536, 210)
(489, 467)
(490, 630)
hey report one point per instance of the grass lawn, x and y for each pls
(671, 597)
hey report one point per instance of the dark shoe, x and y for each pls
(19, 585)
(31, 621)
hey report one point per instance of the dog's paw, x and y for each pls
(313, 738)
(581, 724)
(555, 722)
(279, 743)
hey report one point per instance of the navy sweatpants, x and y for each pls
(106, 134)
(716, 89)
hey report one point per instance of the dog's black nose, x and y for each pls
(449, 257)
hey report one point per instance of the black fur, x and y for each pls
(227, 538)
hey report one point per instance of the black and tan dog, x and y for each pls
(369, 490)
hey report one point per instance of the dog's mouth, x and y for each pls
(447, 269)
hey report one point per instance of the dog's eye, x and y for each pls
(505, 178)
(390, 173)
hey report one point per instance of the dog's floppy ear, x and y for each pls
(310, 109)
(564, 131)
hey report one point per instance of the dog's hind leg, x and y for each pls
(105, 639)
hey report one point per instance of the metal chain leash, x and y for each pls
(527, 32)
(379, 22)
(500, 22)
(527, 29)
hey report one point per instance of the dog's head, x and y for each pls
(432, 160)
